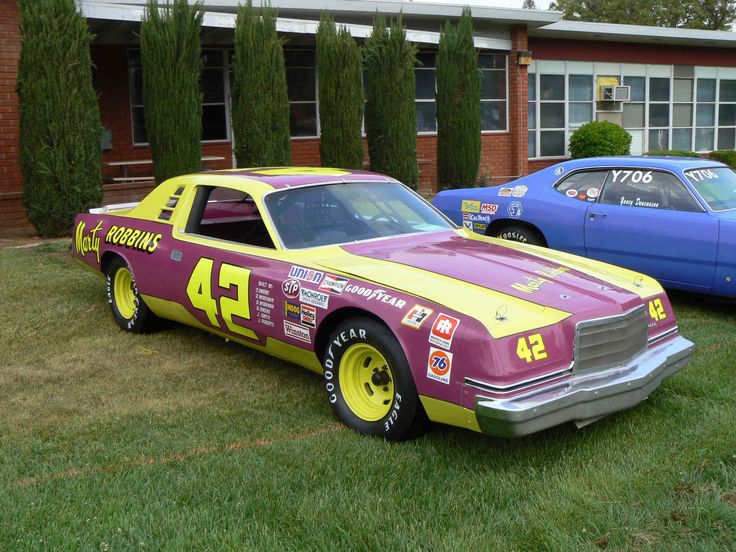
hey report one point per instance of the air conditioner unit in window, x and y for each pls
(615, 93)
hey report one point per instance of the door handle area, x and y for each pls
(593, 216)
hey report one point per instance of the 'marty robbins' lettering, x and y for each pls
(133, 238)
(85, 244)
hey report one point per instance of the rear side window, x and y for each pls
(647, 189)
(584, 185)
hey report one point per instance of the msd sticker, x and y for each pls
(488, 208)
(314, 298)
(296, 332)
(291, 288)
(415, 317)
(333, 284)
(306, 274)
(443, 330)
(439, 365)
(470, 205)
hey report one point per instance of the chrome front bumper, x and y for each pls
(584, 397)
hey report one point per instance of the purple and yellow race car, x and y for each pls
(406, 316)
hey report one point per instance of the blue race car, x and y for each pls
(673, 218)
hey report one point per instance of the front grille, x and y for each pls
(612, 341)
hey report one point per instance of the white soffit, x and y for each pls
(133, 12)
(581, 30)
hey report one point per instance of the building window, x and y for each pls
(727, 114)
(551, 115)
(532, 114)
(492, 91)
(425, 92)
(214, 83)
(301, 79)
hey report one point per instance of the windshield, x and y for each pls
(340, 213)
(717, 186)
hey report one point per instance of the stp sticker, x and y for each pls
(296, 332)
(416, 316)
(333, 284)
(306, 274)
(443, 330)
(291, 288)
(314, 297)
(309, 316)
(470, 205)
(439, 365)
(488, 208)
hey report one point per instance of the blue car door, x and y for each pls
(648, 221)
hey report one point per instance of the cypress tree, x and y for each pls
(260, 102)
(171, 56)
(390, 116)
(458, 105)
(60, 125)
(339, 66)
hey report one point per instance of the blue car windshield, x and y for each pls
(339, 213)
(717, 186)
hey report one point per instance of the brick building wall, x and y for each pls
(12, 213)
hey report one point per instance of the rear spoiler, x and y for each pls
(113, 207)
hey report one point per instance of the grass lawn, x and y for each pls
(181, 441)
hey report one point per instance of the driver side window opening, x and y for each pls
(227, 214)
(585, 185)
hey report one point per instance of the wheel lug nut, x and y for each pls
(385, 388)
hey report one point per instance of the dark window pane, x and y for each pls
(139, 126)
(552, 115)
(726, 115)
(425, 84)
(212, 58)
(426, 59)
(638, 88)
(659, 140)
(213, 86)
(580, 113)
(136, 94)
(532, 116)
(682, 139)
(426, 117)
(552, 143)
(213, 122)
(704, 139)
(301, 84)
(299, 58)
(682, 115)
(532, 87)
(659, 115)
(581, 88)
(728, 91)
(492, 61)
(303, 119)
(705, 115)
(659, 90)
(726, 138)
(552, 87)
(683, 90)
(706, 90)
(493, 115)
(493, 85)
(532, 144)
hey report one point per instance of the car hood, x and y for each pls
(474, 274)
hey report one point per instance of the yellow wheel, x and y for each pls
(128, 308)
(366, 382)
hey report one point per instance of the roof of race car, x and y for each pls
(653, 162)
(288, 177)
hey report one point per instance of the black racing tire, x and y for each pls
(369, 383)
(128, 308)
(522, 234)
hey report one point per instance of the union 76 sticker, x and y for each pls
(439, 365)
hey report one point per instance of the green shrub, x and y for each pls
(260, 102)
(390, 116)
(458, 105)
(339, 65)
(599, 138)
(171, 56)
(725, 156)
(60, 125)
(673, 153)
